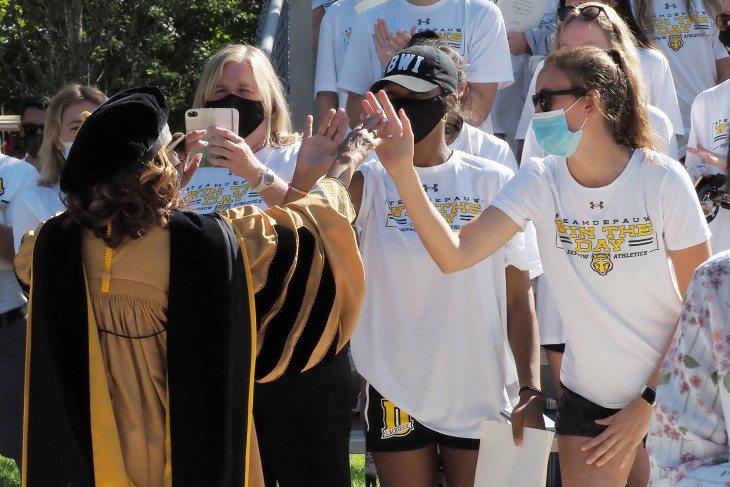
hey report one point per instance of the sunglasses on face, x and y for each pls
(31, 129)
(723, 21)
(544, 98)
(588, 13)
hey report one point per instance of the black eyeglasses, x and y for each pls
(587, 13)
(722, 21)
(30, 129)
(544, 98)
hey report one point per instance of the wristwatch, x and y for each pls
(267, 180)
(648, 394)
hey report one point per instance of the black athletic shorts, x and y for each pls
(577, 415)
(390, 429)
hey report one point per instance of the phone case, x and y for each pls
(204, 118)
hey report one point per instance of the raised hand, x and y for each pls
(358, 144)
(395, 151)
(318, 150)
(709, 157)
(387, 44)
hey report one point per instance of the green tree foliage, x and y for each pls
(115, 44)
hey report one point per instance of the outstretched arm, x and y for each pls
(451, 251)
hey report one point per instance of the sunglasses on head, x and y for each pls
(31, 129)
(722, 21)
(587, 13)
(544, 98)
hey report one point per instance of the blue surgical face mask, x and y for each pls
(552, 132)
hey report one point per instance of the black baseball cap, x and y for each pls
(420, 69)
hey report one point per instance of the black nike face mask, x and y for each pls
(250, 112)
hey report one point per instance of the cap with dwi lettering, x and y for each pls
(420, 69)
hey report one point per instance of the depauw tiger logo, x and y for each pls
(601, 263)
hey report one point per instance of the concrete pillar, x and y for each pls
(301, 61)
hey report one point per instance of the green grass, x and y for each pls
(9, 476)
(357, 470)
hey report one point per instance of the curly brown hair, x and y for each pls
(132, 205)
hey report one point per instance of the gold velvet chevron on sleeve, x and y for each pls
(307, 275)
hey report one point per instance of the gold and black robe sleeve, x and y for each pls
(307, 276)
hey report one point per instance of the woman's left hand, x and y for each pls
(229, 150)
(527, 413)
(318, 150)
(625, 432)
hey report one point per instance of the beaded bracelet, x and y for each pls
(297, 190)
(530, 388)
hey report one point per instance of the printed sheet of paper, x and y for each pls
(502, 464)
(522, 15)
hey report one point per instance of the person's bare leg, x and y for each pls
(555, 360)
(575, 472)
(639, 475)
(414, 468)
(460, 466)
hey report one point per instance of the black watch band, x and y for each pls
(648, 394)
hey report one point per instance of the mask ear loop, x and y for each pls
(587, 114)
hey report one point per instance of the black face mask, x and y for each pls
(724, 37)
(33, 144)
(250, 113)
(423, 114)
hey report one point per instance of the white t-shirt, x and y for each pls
(481, 144)
(34, 205)
(334, 36)
(435, 344)
(15, 176)
(659, 91)
(216, 189)
(473, 27)
(665, 141)
(324, 3)
(710, 127)
(691, 47)
(605, 253)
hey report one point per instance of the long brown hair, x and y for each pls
(132, 206)
(620, 87)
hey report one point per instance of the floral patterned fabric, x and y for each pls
(688, 438)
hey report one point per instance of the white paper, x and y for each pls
(522, 15)
(502, 464)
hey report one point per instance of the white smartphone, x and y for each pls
(204, 118)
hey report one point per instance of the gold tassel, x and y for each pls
(106, 276)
